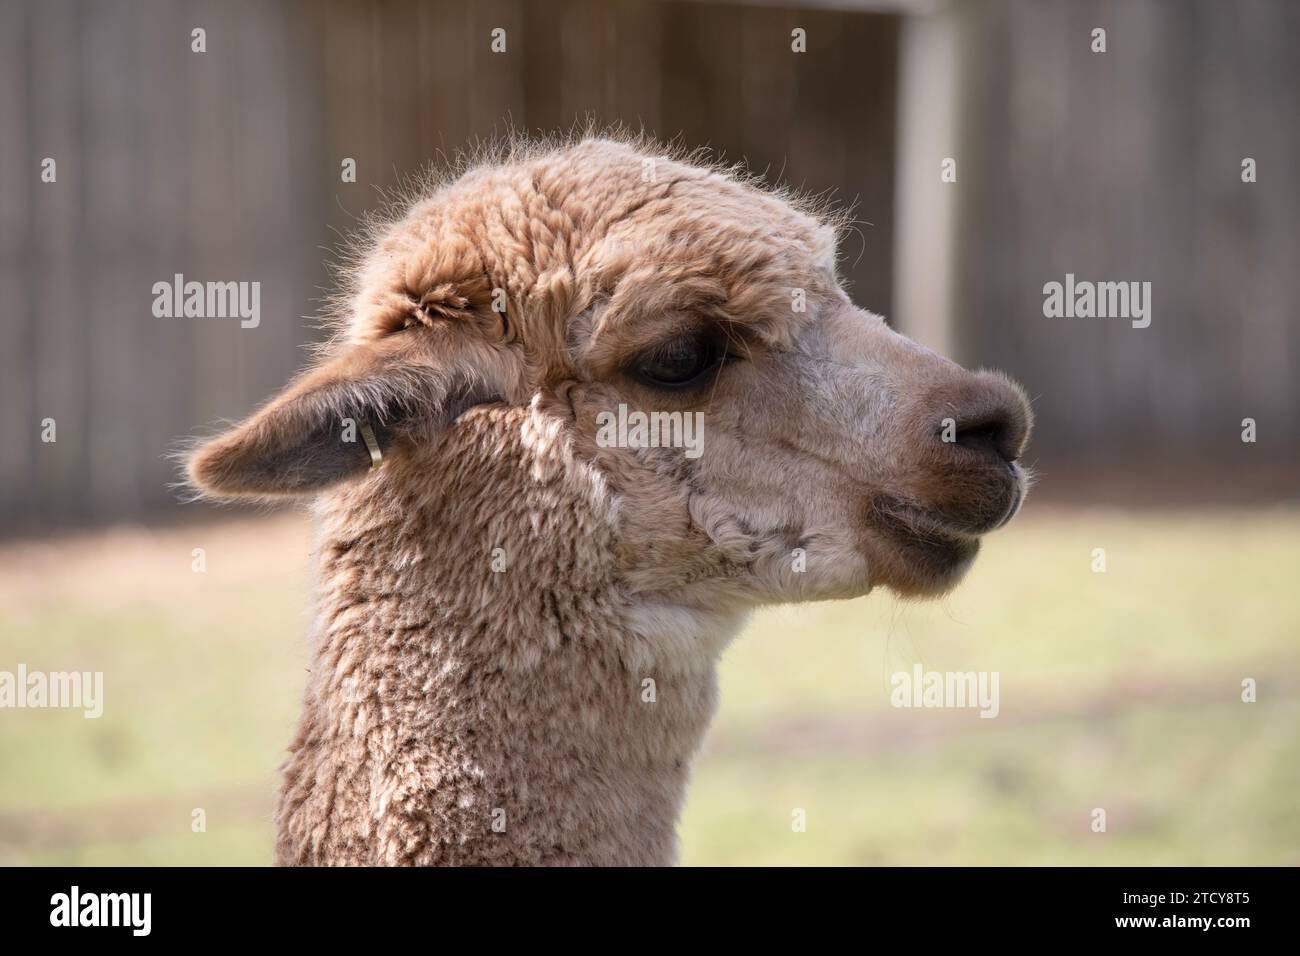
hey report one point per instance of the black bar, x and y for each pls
(234, 905)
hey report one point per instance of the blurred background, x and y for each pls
(1120, 689)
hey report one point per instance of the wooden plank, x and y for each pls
(19, 412)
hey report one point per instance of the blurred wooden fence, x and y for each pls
(1126, 165)
(225, 165)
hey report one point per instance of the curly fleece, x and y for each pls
(516, 630)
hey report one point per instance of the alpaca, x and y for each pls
(518, 624)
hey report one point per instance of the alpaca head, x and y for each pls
(762, 437)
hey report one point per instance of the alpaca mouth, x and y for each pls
(913, 524)
(970, 509)
(938, 543)
(1019, 489)
(923, 557)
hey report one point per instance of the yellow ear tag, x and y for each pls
(376, 456)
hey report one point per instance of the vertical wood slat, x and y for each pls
(53, 297)
(20, 156)
(637, 52)
(110, 185)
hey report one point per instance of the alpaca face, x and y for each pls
(818, 468)
(765, 439)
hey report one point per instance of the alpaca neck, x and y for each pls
(481, 693)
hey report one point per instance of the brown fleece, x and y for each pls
(517, 626)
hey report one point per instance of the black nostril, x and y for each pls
(981, 415)
(993, 434)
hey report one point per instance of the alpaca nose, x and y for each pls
(996, 432)
(985, 414)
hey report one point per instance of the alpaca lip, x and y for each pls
(908, 518)
(914, 521)
(922, 533)
(1017, 498)
(933, 559)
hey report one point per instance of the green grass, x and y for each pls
(1118, 690)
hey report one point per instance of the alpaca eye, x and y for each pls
(678, 363)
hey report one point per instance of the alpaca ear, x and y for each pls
(320, 429)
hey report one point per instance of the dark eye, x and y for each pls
(678, 363)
